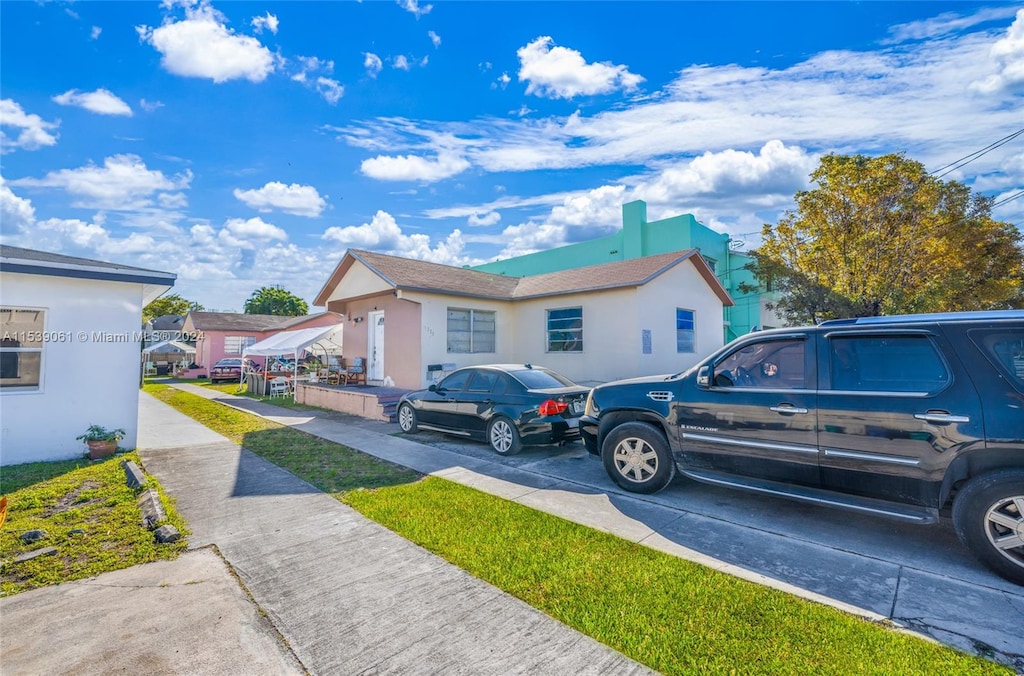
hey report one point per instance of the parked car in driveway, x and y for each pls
(506, 405)
(907, 417)
(228, 369)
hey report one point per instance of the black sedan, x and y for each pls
(506, 405)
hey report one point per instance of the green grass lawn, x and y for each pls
(670, 614)
(90, 516)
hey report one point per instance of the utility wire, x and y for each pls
(1007, 200)
(967, 159)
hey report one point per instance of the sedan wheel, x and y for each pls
(636, 456)
(504, 437)
(407, 419)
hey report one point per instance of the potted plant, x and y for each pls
(101, 442)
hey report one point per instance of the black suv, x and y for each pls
(904, 416)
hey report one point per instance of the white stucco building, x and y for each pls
(414, 320)
(69, 358)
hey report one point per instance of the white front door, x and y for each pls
(375, 344)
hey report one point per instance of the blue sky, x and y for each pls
(242, 144)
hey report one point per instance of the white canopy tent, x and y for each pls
(326, 339)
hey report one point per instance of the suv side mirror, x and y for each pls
(704, 377)
(432, 388)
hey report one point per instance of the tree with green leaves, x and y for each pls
(273, 300)
(169, 305)
(880, 236)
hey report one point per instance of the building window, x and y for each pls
(470, 330)
(565, 330)
(236, 344)
(685, 339)
(21, 348)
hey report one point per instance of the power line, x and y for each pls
(1008, 200)
(967, 159)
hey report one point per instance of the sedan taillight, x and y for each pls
(552, 407)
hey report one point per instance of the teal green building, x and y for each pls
(639, 238)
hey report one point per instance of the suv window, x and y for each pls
(1005, 349)
(771, 364)
(886, 364)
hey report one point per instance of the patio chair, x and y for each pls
(150, 369)
(279, 387)
(355, 373)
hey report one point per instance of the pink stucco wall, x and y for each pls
(210, 344)
(402, 326)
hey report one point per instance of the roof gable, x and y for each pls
(414, 275)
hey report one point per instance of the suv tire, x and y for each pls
(990, 508)
(637, 457)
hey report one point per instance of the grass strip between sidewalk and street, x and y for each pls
(673, 615)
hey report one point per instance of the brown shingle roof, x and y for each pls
(415, 275)
(238, 321)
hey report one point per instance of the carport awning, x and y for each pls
(170, 346)
(293, 342)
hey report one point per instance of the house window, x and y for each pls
(21, 348)
(565, 330)
(236, 344)
(685, 340)
(470, 330)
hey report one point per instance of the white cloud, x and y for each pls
(560, 72)
(301, 200)
(529, 238)
(413, 7)
(101, 101)
(946, 23)
(414, 167)
(502, 81)
(253, 229)
(484, 219)
(150, 106)
(268, 22)
(201, 45)
(434, 38)
(400, 62)
(17, 212)
(311, 64)
(331, 90)
(372, 63)
(95, 33)
(1008, 55)
(123, 183)
(32, 133)
(383, 234)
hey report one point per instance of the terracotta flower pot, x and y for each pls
(101, 449)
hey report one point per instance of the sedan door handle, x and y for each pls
(942, 418)
(787, 409)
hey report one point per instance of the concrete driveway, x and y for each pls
(918, 576)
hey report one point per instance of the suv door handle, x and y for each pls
(787, 409)
(942, 418)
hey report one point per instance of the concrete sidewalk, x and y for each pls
(347, 595)
(937, 589)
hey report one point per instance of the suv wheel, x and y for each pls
(637, 457)
(988, 514)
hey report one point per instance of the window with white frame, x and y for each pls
(685, 338)
(235, 344)
(21, 348)
(565, 330)
(470, 331)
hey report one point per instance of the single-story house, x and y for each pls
(227, 334)
(413, 321)
(70, 347)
